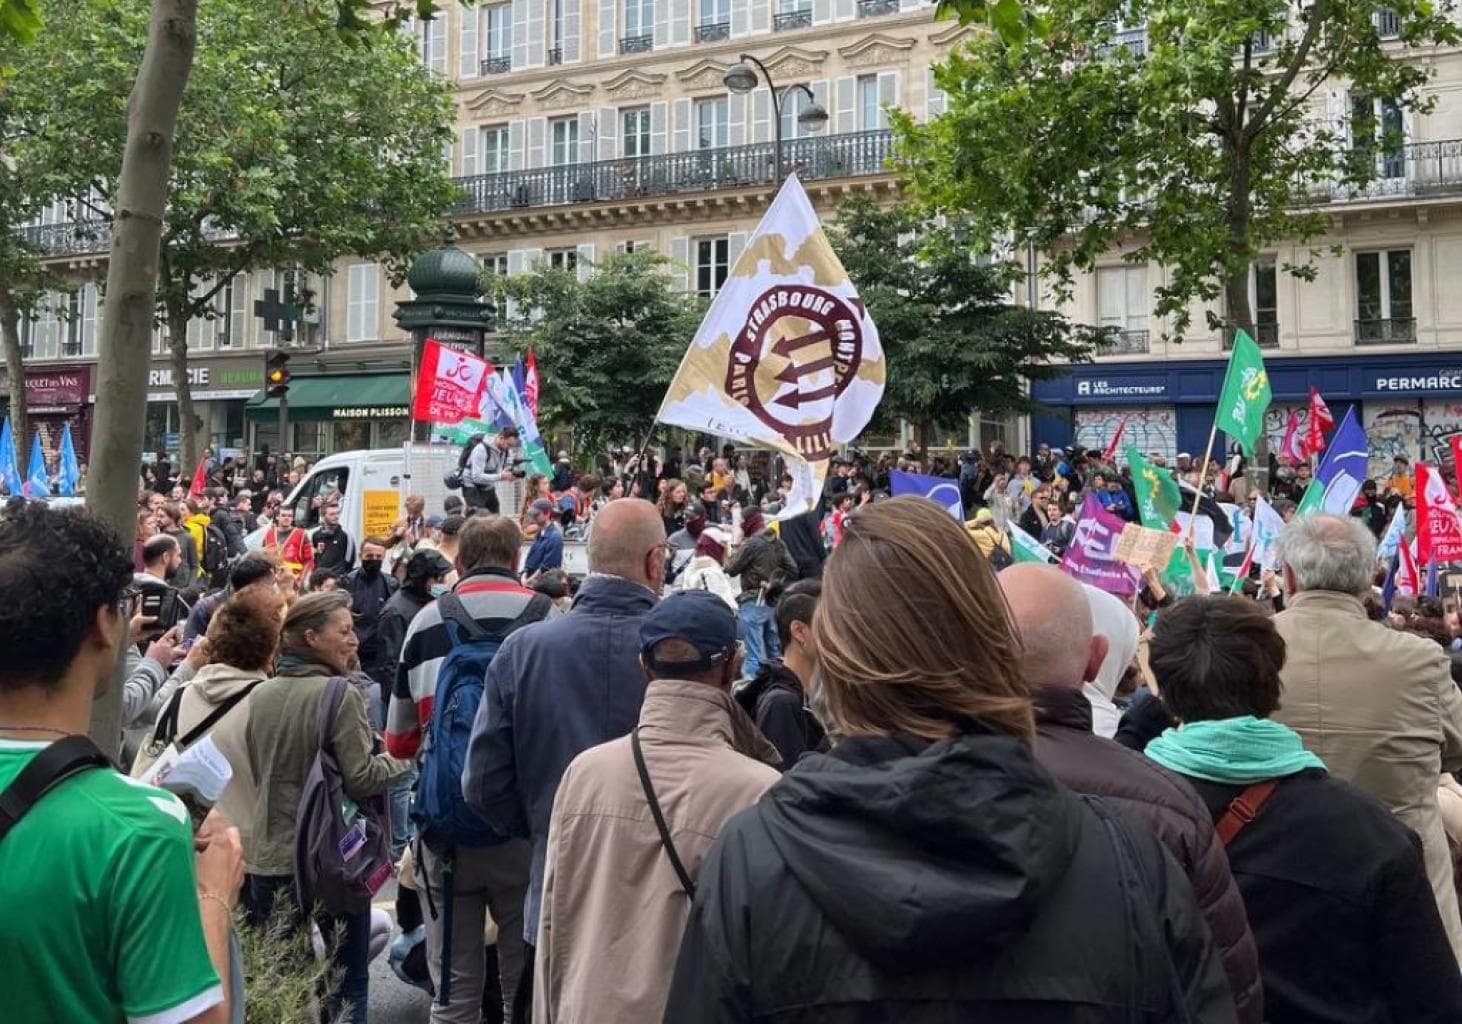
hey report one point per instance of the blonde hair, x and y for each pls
(912, 634)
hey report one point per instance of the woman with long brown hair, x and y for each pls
(928, 869)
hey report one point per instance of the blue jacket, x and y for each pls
(547, 550)
(554, 690)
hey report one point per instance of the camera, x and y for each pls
(162, 604)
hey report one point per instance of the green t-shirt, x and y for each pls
(99, 913)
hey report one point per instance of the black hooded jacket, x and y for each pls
(900, 880)
(774, 700)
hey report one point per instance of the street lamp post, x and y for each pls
(743, 77)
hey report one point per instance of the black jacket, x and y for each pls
(232, 530)
(761, 559)
(1339, 902)
(774, 700)
(900, 880)
(401, 607)
(802, 536)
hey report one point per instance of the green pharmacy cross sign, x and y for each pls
(281, 316)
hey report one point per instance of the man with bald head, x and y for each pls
(1060, 654)
(558, 688)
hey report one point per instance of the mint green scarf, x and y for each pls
(1233, 750)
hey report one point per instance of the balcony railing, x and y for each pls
(1132, 39)
(1265, 336)
(1418, 169)
(1124, 343)
(1388, 25)
(637, 44)
(555, 56)
(834, 156)
(497, 65)
(1392, 331)
(791, 20)
(713, 32)
(877, 8)
(71, 238)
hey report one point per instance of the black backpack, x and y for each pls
(214, 556)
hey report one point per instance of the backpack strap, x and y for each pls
(686, 882)
(201, 729)
(1244, 809)
(47, 770)
(167, 722)
(454, 611)
(330, 702)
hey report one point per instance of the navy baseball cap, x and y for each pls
(696, 617)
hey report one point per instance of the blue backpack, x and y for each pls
(441, 815)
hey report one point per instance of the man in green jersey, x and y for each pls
(109, 913)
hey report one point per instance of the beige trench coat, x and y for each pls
(613, 907)
(1380, 709)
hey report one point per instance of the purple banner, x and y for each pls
(1091, 555)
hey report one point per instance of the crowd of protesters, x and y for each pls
(829, 767)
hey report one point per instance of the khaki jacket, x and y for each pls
(613, 908)
(1380, 709)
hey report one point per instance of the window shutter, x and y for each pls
(820, 93)
(935, 101)
(657, 127)
(586, 137)
(88, 319)
(586, 261)
(843, 10)
(736, 119)
(467, 63)
(537, 135)
(681, 120)
(516, 134)
(888, 95)
(845, 118)
(680, 262)
(607, 44)
(761, 116)
(470, 139)
(438, 29)
(537, 25)
(680, 24)
(236, 310)
(608, 133)
(821, 11)
(573, 28)
(662, 24)
(761, 15)
(741, 18)
(521, 11)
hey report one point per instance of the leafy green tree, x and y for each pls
(1194, 143)
(953, 340)
(291, 150)
(607, 346)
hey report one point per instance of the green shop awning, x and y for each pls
(346, 396)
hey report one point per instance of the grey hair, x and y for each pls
(1335, 553)
(310, 614)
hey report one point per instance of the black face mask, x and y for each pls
(370, 567)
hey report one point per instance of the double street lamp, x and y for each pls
(743, 77)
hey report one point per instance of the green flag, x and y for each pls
(1025, 548)
(1158, 498)
(1245, 394)
(1313, 500)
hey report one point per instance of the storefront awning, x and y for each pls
(338, 396)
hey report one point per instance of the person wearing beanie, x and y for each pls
(761, 561)
(706, 569)
(989, 538)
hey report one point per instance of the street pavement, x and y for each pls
(392, 1001)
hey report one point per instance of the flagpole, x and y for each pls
(1202, 474)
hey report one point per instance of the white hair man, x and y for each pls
(1379, 707)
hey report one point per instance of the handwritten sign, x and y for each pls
(1145, 548)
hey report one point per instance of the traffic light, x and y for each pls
(276, 374)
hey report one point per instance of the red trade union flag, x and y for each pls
(1293, 446)
(530, 383)
(1320, 421)
(1457, 457)
(200, 479)
(1437, 533)
(1111, 453)
(448, 384)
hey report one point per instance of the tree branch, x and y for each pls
(1286, 80)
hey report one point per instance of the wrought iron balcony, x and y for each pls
(1123, 343)
(497, 65)
(1132, 39)
(703, 170)
(1415, 169)
(877, 8)
(637, 44)
(1392, 331)
(1265, 336)
(70, 238)
(555, 56)
(791, 20)
(712, 32)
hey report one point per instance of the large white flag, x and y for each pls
(787, 358)
(1267, 526)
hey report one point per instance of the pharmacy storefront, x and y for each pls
(220, 387)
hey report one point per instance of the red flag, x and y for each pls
(1457, 457)
(1408, 580)
(1111, 451)
(1293, 446)
(1437, 532)
(200, 479)
(448, 384)
(1320, 421)
(530, 383)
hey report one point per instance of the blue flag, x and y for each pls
(520, 377)
(70, 469)
(943, 491)
(1392, 538)
(1388, 589)
(1431, 589)
(37, 483)
(1339, 478)
(9, 461)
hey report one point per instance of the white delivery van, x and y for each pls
(372, 485)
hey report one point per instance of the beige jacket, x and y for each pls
(213, 685)
(1380, 709)
(613, 907)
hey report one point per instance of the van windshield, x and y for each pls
(318, 490)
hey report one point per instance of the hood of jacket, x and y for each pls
(916, 851)
(217, 683)
(769, 675)
(199, 519)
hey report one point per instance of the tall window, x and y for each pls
(712, 123)
(868, 112)
(712, 263)
(639, 18)
(432, 44)
(1266, 301)
(494, 144)
(496, 23)
(1377, 132)
(635, 123)
(792, 106)
(228, 329)
(563, 259)
(715, 12)
(1122, 300)
(71, 344)
(363, 302)
(564, 132)
(555, 30)
(1383, 295)
(496, 264)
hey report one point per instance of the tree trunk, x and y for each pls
(1240, 215)
(10, 330)
(178, 352)
(124, 350)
